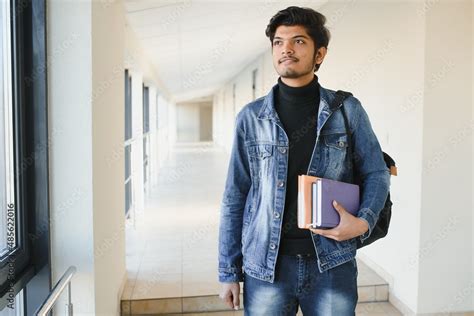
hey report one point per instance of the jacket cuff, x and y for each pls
(369, 216)
(226, 276)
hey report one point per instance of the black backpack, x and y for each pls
(381, 227)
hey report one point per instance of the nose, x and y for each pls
(287, 49)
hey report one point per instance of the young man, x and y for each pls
(288, 132)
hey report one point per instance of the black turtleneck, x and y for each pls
(297, 109)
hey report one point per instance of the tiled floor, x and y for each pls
(172, 250)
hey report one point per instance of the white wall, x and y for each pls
(187, 116)
(70, 111)
(107, 132)
(446, 207)
(389, 81)
(194, 121)
(387, 54)
(472, 117)
(205, 122)
(89, 48)
(86, 123)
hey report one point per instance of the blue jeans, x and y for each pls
(299, 282)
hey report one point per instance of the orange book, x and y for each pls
(306, 216)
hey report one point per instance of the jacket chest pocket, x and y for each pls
(260, 157)
(335, 147)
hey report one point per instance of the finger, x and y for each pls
(323, 232)
(236, 300)
(230, 301)
(338, 206)
(227, 298)
(330, 233)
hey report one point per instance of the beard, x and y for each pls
(290, 72)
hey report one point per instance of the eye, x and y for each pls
(300, 41)
(277, 42)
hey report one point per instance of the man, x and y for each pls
(288, 132)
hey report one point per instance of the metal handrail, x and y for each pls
(56, 292)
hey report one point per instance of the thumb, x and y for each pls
(338, 207)
(235, 294)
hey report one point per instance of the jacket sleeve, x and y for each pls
(237, 186)
(373, 171)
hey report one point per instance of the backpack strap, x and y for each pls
(335, 105)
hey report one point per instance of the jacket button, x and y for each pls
(282, 150)
(281, 183)
(341, 144)
(277, 215)
(272, 246)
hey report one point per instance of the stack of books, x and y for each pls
(315, 196)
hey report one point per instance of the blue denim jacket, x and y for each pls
(254, 195)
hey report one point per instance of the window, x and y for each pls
(156, 112)
(146, 110)
(6, 139)
(146, 129)
(128, 180)
(128, 105)
(128, 142)
(24, 192)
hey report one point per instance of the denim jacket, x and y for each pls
(251, 212)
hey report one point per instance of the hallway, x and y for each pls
(172, 258)
(175, 241)
(118, 119)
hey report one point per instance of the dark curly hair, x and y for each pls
(313, 21)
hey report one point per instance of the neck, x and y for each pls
(300, 81)
(298, 95)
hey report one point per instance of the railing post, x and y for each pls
(69, 310)
(64, 281)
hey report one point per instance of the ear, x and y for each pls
(320, 54)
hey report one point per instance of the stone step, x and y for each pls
(371, 288)
(368, 294)
(363, 309)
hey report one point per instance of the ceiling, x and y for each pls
(197, 46)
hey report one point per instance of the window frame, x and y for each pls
(31, 266)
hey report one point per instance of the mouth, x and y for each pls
(287, 61)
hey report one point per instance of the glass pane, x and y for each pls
(7, 218)
(128, 105)
(146, 110)
(14, 308)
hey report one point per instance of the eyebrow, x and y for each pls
(304, 36)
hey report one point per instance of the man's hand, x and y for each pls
(230, 294)
(349, 227)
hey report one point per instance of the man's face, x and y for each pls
(294, 52)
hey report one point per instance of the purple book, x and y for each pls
(324, 192)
